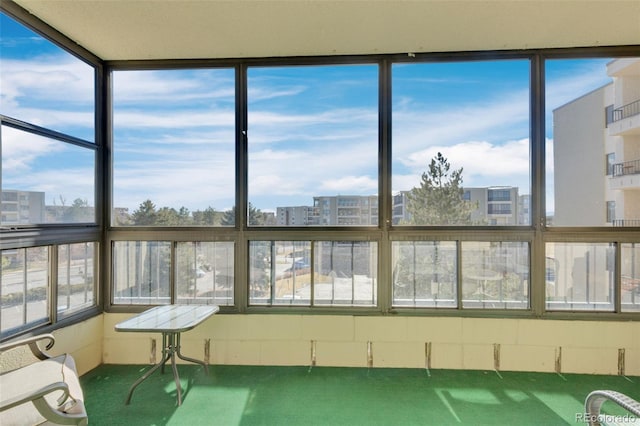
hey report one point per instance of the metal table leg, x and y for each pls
(145, 376)
(186, 358)
(170, 347)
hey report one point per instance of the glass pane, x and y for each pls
(593, 145)
(424, 274)
(204, 273)
(580, 276)
(261, 272)
(630, 277)
(495, 275)
(141, 272)
(45, 181)
(320, 273)
(280, 272)
(347, 273)
(174, 148)
(24, 287)
(313, 146)
(76, 272)
(43, 84)
(461, 143)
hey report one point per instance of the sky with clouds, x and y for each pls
(312, 131)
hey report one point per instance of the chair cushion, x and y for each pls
(38, 375)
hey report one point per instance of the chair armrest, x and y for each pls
(595, 399)
(34, 394)
(54, 415)
(32, 342)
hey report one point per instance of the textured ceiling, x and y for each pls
(170, 29)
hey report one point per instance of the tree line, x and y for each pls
(147, 214)
(437, 200)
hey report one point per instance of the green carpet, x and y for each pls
(251, 395)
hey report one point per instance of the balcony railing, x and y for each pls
(626, 111)
(626, 168)
(626, 222)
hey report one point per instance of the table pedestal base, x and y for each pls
(170, 348)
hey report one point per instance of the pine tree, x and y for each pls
(145, 215)
(439, 198)
(256, 217)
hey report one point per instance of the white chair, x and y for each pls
(44, 390)
(593, 404)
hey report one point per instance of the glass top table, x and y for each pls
(170, 320)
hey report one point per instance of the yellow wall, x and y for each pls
(83, 341)
(455, 343)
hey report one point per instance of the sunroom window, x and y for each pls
(313, 145)
(174, 148)
(49, 181)
(461, 136)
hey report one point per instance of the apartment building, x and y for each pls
(22, 207)
(501, 206)
(294, 216)
(345, 210)
(597, 152)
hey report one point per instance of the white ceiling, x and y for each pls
(190, 29)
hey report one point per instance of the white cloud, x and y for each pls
(418, 127)
(42, 83)
(483, 164)
(21, 149)
(276, 185)
(175, 119)
(189, 184)
(178, 86)
(479, 157)
(346, 185)
(487, 138)
(73, 183)
(257, 93)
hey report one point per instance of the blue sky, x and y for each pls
(312, 130)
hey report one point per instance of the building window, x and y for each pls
(609, 116)
(611, 211)
(499, 195)
(499, 208)
(611, 160)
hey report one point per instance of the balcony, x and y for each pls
(625, 175)
(626, 168)
(626, 222)
(625, 120)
